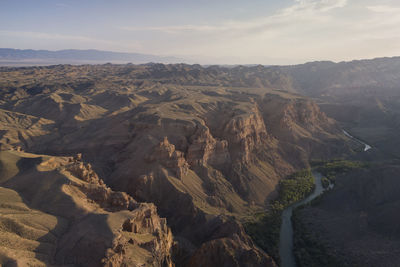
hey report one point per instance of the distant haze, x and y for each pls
(208, 31)
(28, 57)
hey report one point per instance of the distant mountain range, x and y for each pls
(15, 57)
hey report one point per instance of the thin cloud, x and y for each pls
(42, 35)
(319, 5)
(308, 28)
(301, 9)
(384, 9)
(62, 37)
(61, 5)
(304, 30)
(177, 29)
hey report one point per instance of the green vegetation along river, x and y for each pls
(286, 233)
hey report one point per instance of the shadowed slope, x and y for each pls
(56, 211)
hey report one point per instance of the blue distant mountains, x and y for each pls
(9, 56)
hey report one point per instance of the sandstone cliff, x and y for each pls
(228, 245)
(56, 211)
(197, 142)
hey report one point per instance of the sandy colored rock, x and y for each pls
(52, 214)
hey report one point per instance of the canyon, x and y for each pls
(159, 165)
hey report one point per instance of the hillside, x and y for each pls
(357, 222)
(363, 95)
(53, 207)
(206, 145)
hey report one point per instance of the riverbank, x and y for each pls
(286, 231)
(307, 249)
(366, 146)
(273, 230)
(356, 223)
(265, 227)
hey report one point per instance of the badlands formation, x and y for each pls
(148, 165)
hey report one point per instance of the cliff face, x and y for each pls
(204, 149)
(185, 138)
(69, 216)
(143, 231)
(292, 119)
(96, 190)
(362, 95)
(303, 131)
(166, 155)
(228, 245)
(244, 133)
(195, 167)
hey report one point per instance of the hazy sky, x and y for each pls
(209, 31)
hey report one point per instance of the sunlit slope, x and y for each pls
(55, 210)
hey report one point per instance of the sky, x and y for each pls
(208, 31)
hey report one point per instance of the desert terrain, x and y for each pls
(161, 165)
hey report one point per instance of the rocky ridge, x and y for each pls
(89, 212)
(197, 142)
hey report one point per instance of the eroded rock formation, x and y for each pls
(197, 142)
(78, 221)
(166, 155)
(204, 149)
(228, 245)
(147, 231)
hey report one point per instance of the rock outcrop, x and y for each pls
(228, 245)
(147, 231)
(70, 217)
(95, 189)
(166, 155)
(197, 142)
(244, 133)
(204, 149)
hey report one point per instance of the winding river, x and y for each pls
(286, 235)
(366, 146)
